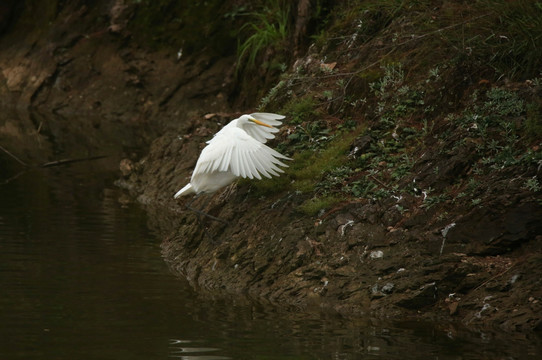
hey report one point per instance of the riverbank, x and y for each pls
(414, 189)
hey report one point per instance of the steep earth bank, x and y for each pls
(70, 68)
(414, 189)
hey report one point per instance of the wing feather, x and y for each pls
(259, 161)
(242, 164)
(269, 118)
(234, 165)
(251, 155)
(226, 159)
(236, 150)
(262, 133)
(255, 159)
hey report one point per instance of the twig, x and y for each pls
(13, 156)
(442, 29)
(45, 165)
(378, 181)
(351, 73)
(394, 47)
(339, 207)
(201, 212)
(7, 181)
(494, 277)
(69, 161)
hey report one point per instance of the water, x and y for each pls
(81, 277)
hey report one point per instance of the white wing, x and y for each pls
(235, 151)
(262, 133)
(268, 118)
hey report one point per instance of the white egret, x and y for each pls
(237, 150)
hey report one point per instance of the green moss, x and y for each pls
(300, 109)
(308, 166)
(371, 75)
(269, 186)
(313, 206)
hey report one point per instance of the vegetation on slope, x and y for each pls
(388, 80)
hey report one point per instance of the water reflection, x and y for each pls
(184, 349)
(82, 278)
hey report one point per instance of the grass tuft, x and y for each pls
(267, 28)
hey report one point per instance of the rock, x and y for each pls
(388, 288)
(453, 307)
(497, 230)
(126, 166)
(15, 77)
(420, 298)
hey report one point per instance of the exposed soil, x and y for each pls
(479, 265)
(476, 260)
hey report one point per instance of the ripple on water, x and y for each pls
(81, 278)
(178, 349)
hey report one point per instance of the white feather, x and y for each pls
(237, 150)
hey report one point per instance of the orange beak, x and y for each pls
(260, 123)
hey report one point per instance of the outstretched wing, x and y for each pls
(262, 133)
(237, 152)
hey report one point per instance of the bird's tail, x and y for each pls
(184, 191)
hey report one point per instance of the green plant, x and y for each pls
(434, 74)
(393, 76)
(475, 202)
(361, 188)
(512, 36)
(267, 28)
(533, 121)
(493, 118)
(532, 184)
(299, 110)
(271, 95)
(333, 180)
(472, 185)
(328, 94)
(312, 135)
(361, 20)
(308, 166)
(502, 103)
(430, 201)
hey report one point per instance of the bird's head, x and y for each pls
(250, 119)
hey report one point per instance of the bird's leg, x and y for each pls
(200, 212)
(202, 225)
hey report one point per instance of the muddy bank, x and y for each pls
(479, 265)
(414, 189)
(71, 59)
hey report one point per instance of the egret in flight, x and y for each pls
(237, 150)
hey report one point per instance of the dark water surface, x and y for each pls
(81, 277)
